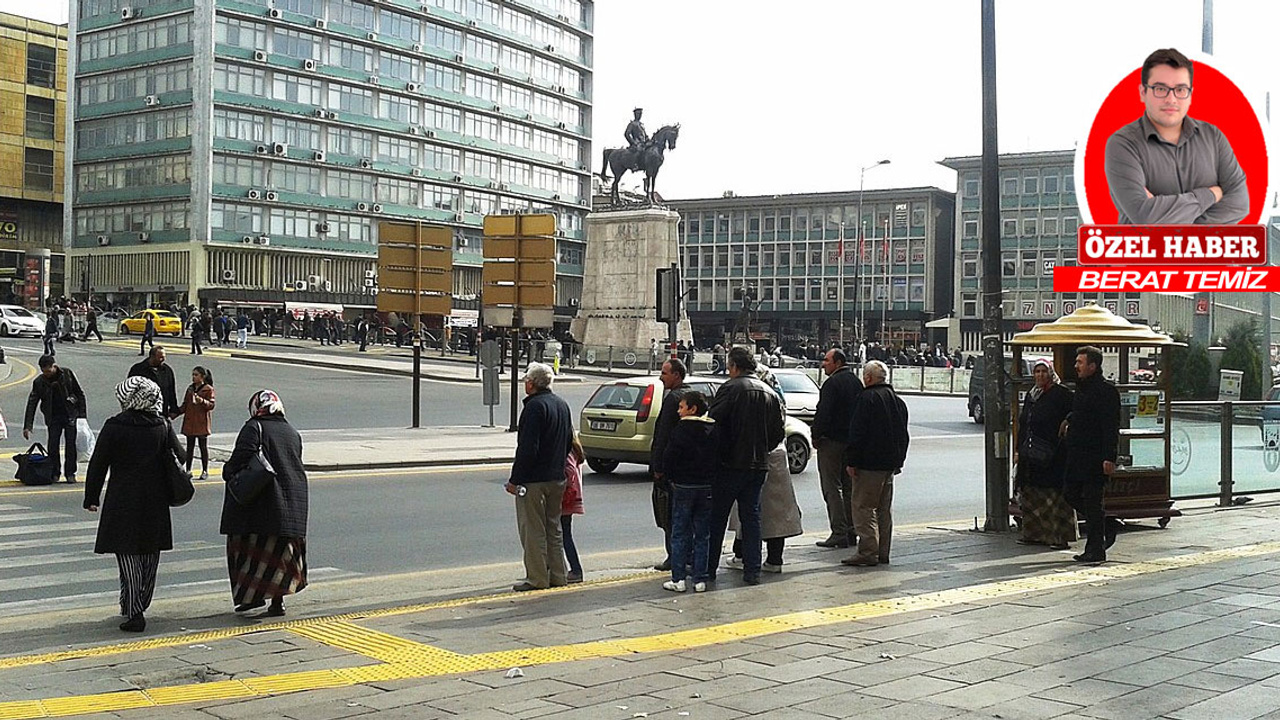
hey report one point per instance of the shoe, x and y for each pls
(204, 475)
(1060, 546)
(858, 561)
(574, 578)
(274, 611)
(246, 607)
(1091, 559)
(733, 561)
(752, 580)
(834, 541)
(771, 568)
(1110, 528)
(137, 623)
(673, 585)
(884, 561)
(524, 587)
(699, 587)
(664, 566)
(71, 480)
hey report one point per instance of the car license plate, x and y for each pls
(605, 425)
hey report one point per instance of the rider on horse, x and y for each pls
(637, 137)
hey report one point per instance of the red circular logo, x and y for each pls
(1217, 101)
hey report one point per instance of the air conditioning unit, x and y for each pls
(151, 100)
(362, 207)
(331, 115)
(459, 217)
(366, 163)
(561, 125)
(328, 286)
(430, 133)
(416, 172)
(259, 56)
(493, 185)
(555, 197)
(318, 156)
(497, 69)
(228, 275)
(144, 237)
(458, 58)
(280, 149)
(371, 36)
(247, 239)
(321, 23)
(126, 13)
(560, 89)
(377, 207)
(272, 195)
(370, 274)
(255, 195)
(424, 9)
(497, 108)
(321, 113)
(314, 280)
(417, 47)
(528, 116)
(103, 240)
(457, 178)
(261, 149)
(413, 130)
(300, 285)
(275, 14)
(369, 282)
(412, 87)
(264, 239)
(502, 186)
(373, 80)
(550, 48)
(322, 227)
(308, 64)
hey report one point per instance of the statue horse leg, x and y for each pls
(617, 178)
(604, 166)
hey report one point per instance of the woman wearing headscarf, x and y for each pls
(135, 523)
(1047, 519)
(266, 538)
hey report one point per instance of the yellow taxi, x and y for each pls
(165, 323)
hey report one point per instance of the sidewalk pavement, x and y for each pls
(381, 448)
(1183, 624)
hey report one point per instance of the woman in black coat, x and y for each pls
(135, 524)
(266, 536)
(1047, 519)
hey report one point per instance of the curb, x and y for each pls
(403, 464)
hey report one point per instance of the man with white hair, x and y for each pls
(543, 441)
(875, 453)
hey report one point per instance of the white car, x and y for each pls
(17, 320)
(800, 393)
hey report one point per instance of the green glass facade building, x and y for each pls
(246, 149)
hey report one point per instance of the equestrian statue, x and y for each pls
(642, 154)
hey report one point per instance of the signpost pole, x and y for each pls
(515, 330)
(416, 340)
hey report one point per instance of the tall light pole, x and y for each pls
(857, 266)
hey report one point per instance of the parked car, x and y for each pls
(17, 320)
(616, 424)
(165, 323)
(977, 378)
(800, 392)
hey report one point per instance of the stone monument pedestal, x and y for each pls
(625, 248)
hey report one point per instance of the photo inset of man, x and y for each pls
(1167, 168)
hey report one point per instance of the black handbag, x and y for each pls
(177, 477)
(1037, 451)
(246, 485)
(35, 468)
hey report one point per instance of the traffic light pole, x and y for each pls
(515, 370)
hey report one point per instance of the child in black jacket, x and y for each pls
(690, 462)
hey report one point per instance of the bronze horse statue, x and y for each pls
(647, 159)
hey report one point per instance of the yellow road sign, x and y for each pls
(390, 256)
(404, 303)
(526, 296)
(534, 271)
(429, 279)
(406, 233)
(526, 248)
(528, 225)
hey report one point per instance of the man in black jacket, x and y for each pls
(543, 441)
(1093, 433)
(673, 374)
(58, 394)
(157, 371)
(749, 419)
(877, 449)
(830, 437)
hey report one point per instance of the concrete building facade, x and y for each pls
(245, 150)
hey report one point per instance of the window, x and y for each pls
(399, 109)
(1031, 186)
(1009, 228)
(39, 117)
(240, 33)
(1010, 186)
(1050, 184)
(971, 228)
(1049, 226)
(357, 58)
(1009, 265)
(917, 215)
(237, 125)
(440, 77)
(291, 43)
(400, 26)
(238, 79)
(348, 185)
(242, 172)
(353, 143)
(450, 40)
(42, 65)
(1029, 227)
(482, 50)
(1029, 268)
(1069, 226)
(357, 15)
(444, 118)
(971, 188)
(969, 305)
(350, 100)
(298, 133)
(398, 150)
(38, 169)
(969, 266)
(297, 89)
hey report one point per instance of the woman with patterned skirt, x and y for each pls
(1047, 519)
(266, 536)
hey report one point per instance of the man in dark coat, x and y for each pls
(748, 416)
(673, 374)
(836, 399)
(157, 371)
(91, 325)
(57, 392)
(148, 335)
(877, 448)
(50, 332)
(1093, 434)
(543, 441)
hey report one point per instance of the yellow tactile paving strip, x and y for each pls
(402, 658)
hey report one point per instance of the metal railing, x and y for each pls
(1222, 449)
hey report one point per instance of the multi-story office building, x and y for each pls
(33, 91)
(786, 250)
(246, 149)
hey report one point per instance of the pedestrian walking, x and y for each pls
(362, 332)
(135, 523)
(836, 399)
(197, 416)
(155, 369)
(1040, 462)
(877, 449)
(674, 386)
(58, 394)
(570, 505)
(91, 325)
(1093, 434)
(543, 439)
(691, 462)
(748, 416)
(50, 332)
(242, 330)
(266, 538)
(148, 334)
(197, 330)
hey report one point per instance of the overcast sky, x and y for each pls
(795, 97)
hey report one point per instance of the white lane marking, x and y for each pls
(108, 573)
(15, 517)
(45, 542)
(948, 436)
(51, 528)
(83, 555)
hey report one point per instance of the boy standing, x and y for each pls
(690, 462)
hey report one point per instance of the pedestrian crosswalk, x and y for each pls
(47, 561)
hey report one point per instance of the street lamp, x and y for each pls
(857, 267)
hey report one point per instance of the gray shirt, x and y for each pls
(1179, 176)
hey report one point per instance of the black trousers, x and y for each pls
(1084, 492)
